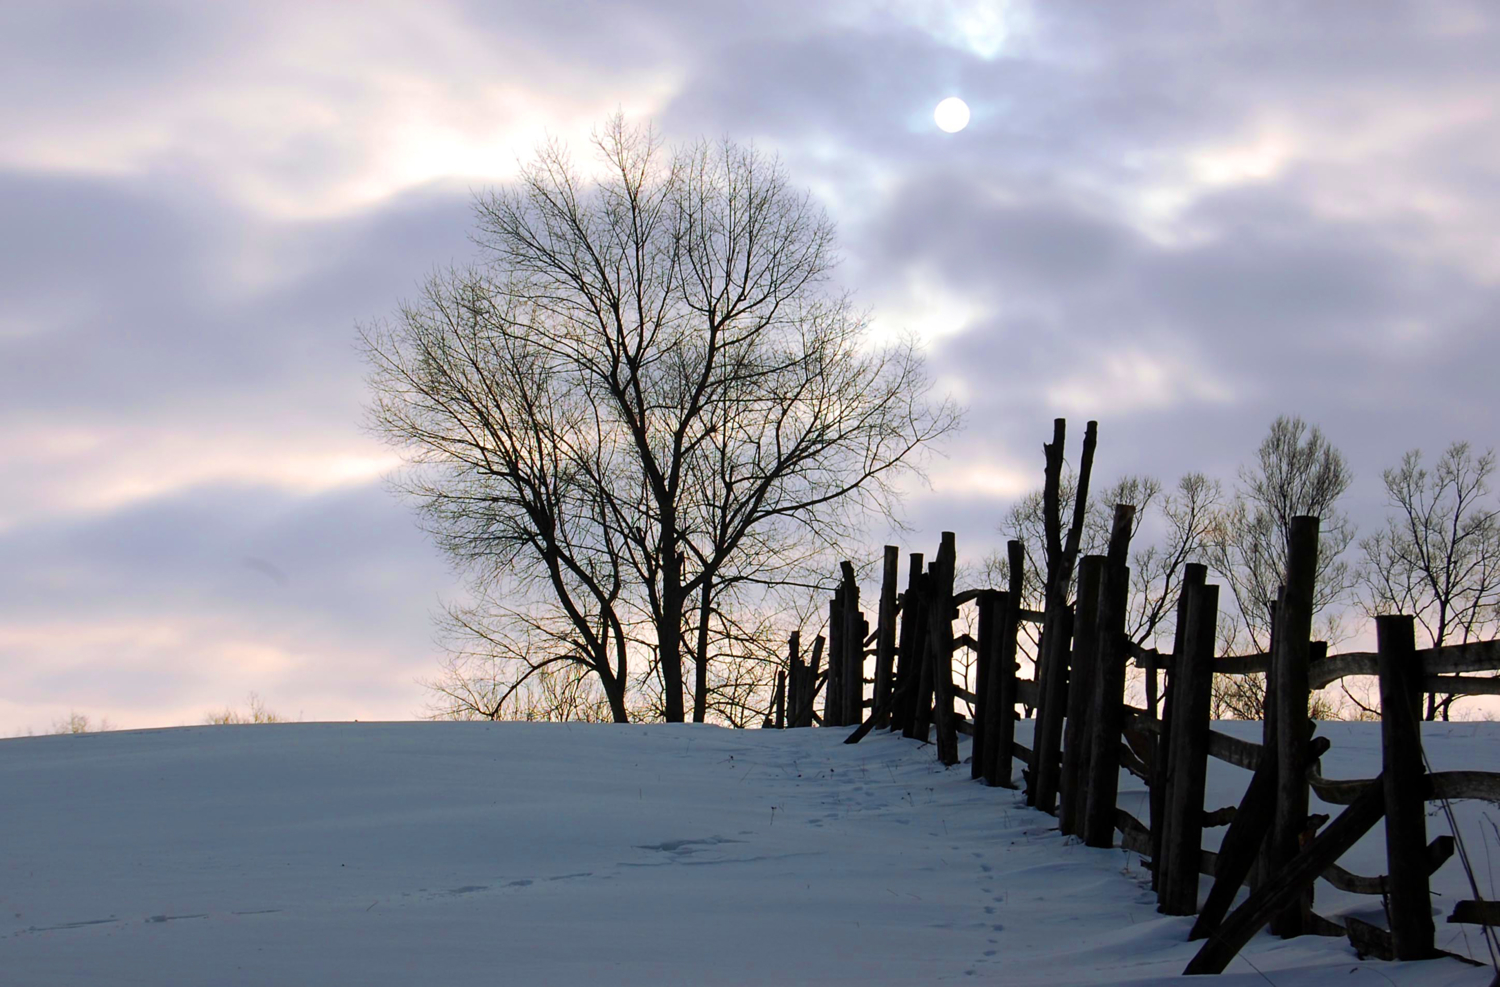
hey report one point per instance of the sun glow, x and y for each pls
(951, 115)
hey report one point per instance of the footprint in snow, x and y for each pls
(684, 847)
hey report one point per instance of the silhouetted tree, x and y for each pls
(1438, 556)
(645, 406)
(1296, 471)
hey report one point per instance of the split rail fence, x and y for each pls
(1085, 731)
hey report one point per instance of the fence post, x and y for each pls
(1408, 902)
(998, 762)
(833, 691)
(1109, 687)
(781, 700)
(854, 650)
(986, 687)
(1108, 713)
(1076, 733)
(1263, 868)
(1050, 668)
(1192, 680)
(1289, 698)
(794, 677)
(940, 634)
(1194, 574)
(908, 656)
(1052, 685)
(885, 637)
(921, 717)
(1000, 719)
(810, 696)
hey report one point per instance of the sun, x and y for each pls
(952, 114)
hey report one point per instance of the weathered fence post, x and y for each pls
(940, 635)
(1109, 687)
(1194, 574)
(908, 658)
(885, 637)
(999, 763)
(852, 705)
(794, 678)
(1076, 732)
(1052, 667)
(920, 722)
(781, 700)
(1408, 903)
(921, 716)
(803, 683)
(986, 688)
(1289, 661)
(810, 691)
(1052, 684)
(1264, 862)
(833, 691)
(1192, 680)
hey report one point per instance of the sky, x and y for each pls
(1179, 218)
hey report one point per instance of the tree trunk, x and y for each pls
(614, 690)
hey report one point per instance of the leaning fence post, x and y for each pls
(1289, 699)
(1409, 904)
(885, 636)
(1192, 680)
(1076, 733)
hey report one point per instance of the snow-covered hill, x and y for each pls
(441, 853)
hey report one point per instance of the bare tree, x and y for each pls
(1438, 556)
(1167, 532)
(1186, 520)
(647, 403)
(80, 723)
(1297, 471)
(255, 712)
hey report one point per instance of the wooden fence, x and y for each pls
(1085, 731)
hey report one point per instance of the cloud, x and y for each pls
(153, 606)
(1181, 218)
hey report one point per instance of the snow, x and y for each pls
(411, 853)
